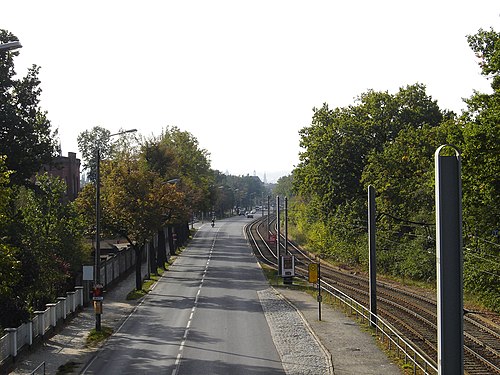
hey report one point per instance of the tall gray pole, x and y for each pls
(97, 268)
(278, 252)
(449, 263)
(372, 256)
(268, 213)
(286, 226)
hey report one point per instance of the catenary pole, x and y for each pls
(449, 260)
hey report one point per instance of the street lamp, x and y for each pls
(97, 297)
(10, 46)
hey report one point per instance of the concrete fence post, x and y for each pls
(79, 293)
(41, 322)
(51, 307)
(71, 298)
(30, 332)
(63, 301)
(12, 332)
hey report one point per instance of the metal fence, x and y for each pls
(405, 351)
(44, 321)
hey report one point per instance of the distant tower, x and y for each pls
(265, 178)
(254, 173)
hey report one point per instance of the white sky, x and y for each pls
(241, 76)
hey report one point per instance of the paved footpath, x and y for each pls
(69, 343)
(352, 350)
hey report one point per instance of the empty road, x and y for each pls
(203, 316)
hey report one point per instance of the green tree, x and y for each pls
(176, 154)
(9, 264)
(337, 147)
(284, 186)
(403, 174)
(135, 204)
(89, 142)
(480, 171)
(52, 241)
(338, 142)
(25, 135)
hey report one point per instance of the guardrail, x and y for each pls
(41, 366)
(419, 362)
(46, 320)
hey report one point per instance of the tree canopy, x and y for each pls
(388, 141)
(25, 135)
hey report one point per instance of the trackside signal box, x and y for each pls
(287, 266)
(313, 272)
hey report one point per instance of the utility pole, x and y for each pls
(278, 234)
(372, 256)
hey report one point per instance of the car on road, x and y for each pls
(249, 215)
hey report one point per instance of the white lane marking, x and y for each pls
(178, 359)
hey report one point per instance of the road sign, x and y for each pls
(313, 272)
(88, 273)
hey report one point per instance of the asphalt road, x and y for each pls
(203, 316)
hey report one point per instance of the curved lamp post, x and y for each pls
(97, 271)
(10, 46)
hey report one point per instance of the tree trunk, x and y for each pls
(153, 259)
(171, 245)
(138, 266)
(162, 249)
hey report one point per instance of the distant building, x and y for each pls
(68, 169)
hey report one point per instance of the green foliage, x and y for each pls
(94, 338)
(41, 249)
(338, 143)
(388, 141)
(89, 142)
(176, 154)
(9, 265)
(486, 45)
(242, 192)
(284, 186)
(51, 240)
(25, 136)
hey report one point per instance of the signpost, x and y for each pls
(315, 277)
(97, 299)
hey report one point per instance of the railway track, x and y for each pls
(413, 315)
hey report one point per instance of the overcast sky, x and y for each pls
(241, 76)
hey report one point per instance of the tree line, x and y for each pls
(388, 141)
(146, 184)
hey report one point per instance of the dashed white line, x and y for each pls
(193, 310)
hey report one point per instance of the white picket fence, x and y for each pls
(43, 321)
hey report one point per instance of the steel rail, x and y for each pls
(470, 338)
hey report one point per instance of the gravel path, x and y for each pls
(300, 350)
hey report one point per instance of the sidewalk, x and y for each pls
(353, 351)
(68, 344)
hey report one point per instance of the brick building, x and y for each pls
(68, 169)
